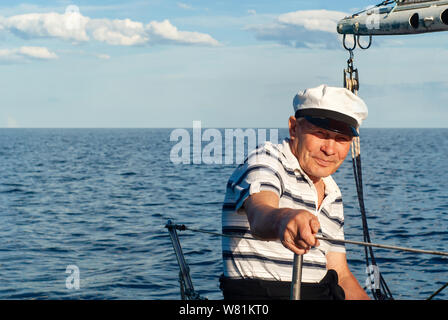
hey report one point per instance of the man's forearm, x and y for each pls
(265, 222)
(294, 228)
(352, 289)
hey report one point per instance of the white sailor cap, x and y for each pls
(332, 108)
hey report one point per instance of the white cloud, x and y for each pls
(68, 26)
(184, 6)
(308, 28)
(23, 54)
(165, 32)
(11, 122)
(73, 26)
(37, 53)
(103, 56)
(252, 12)
(118, 32)
(320, 20)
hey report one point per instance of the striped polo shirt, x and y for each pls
(273, 167)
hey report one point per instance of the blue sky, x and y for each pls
(226, 63)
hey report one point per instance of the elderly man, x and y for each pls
(283, 195)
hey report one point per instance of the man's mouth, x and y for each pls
(323, 163)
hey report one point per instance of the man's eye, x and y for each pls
(343, 139)
(321, 133)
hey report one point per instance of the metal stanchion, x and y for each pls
(296, 277)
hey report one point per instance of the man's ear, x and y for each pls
(292, 124)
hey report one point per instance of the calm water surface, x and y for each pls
(99, 199)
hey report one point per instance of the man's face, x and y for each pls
(320, 152)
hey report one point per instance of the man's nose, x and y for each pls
(328, 147)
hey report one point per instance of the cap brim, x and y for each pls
(333, 125)
(330, 120)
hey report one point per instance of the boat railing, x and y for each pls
(186, 284)
(187, 291)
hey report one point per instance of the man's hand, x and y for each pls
(298, 230)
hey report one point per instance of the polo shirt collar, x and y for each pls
(293, 162)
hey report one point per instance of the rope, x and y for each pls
(384, 3)
(385, 246)
(367, 244)
(438, 291)
(351, 82)
(183, 227)
(383, 292)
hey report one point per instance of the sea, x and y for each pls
(83, 212)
